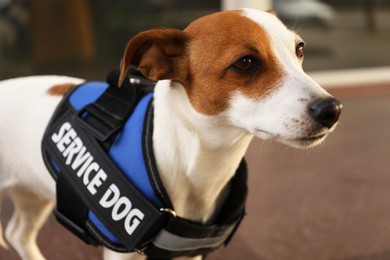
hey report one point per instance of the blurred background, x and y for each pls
(86, 38)
(330, 202)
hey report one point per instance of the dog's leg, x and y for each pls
(190, 258)
(111, 255)
(30, 212)
(2, 241)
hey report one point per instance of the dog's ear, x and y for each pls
(159, 54)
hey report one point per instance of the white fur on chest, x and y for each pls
(191, 151)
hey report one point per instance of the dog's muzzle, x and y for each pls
(326, 112)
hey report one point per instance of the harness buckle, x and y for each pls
(99, 122)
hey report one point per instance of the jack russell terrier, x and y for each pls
(227, 77)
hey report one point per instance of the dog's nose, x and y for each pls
(326, 111)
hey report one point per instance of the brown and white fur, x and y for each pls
(227, 77)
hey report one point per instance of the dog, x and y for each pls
(226, 78)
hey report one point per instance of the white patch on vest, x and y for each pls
(93, 176)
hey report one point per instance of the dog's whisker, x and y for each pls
(285, 150)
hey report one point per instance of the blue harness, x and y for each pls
(98, 147)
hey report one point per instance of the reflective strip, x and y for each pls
(168, 241)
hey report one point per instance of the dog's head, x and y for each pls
(245, 66)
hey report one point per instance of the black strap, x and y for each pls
(183, 237)
(150, 161)
(107, 115)
(69, 204)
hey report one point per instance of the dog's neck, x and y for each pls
(196, 155)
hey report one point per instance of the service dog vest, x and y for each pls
(98, 147)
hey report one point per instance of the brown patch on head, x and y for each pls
(60, 89)
(217, 42)
(201, 58)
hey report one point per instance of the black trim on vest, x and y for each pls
(150, 161)
(228, 220)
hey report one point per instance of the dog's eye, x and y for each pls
(299, 50)
(245, 64)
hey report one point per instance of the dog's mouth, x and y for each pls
(312, 138)
(309, 141)
(300, 142)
